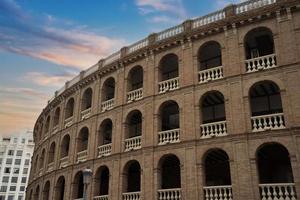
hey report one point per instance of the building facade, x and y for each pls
(15, 163)
(209, 109)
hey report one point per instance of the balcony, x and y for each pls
(131, 196)
(261, 63)
(68, 122)
(103, 197)
(104, 150)
(170, 194)
(169, 136)
(218, 192)
(85, 113)
(133, 143)
(64, 162)
(50, 167)
(107, 105)
(268, 122)
(82, 156)
(168, 85)
(215, 129)
(212, 74)
(275, 191)
(134, 95)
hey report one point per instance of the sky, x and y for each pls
(44, 43)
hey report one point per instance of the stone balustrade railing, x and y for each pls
(133, 143)
(135, 95)
(103, 197)
(86, 113)
(112, 58)
(277, 191)
(170, 194)
(138, 45)
(170, 32)
(41, 171)
(104, 150)
(79, 199)
(223, 192)
(107, 105)
(131, 196)
(55, 129)
(169, 136)
(68, 122)
(82, 156)
(214, 129)
(168, 85)
(204, 20)
(64, 162)
(268, 122)
(260, 63)
(210, 74)
(50, 166)
(253, 4)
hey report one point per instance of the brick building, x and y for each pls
(209, 109)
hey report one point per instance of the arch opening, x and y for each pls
(169, 67)
(102, 181)
(69, 108)
(210, 55)
(108, 90)
(135, 78)
(132, 177)
(87, 97)
(213, 107)
(170, 173)
(60, 188)
(105, 132)
(65, 146)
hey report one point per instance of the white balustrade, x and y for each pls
(210, 74)
(133, 143)
(261, 63)
(64, 162)
(253, 4)
(79, 199)
(107, 105)
(213, 17)
(86, 113)
(168, 85)
(170, 32)
(278, 191)
(104, 150)
(82, 156)
(214, 129)
(112, 58)
(41, 171)
(68, 121)
(55, 129)
(169, 194)
(103, 197)
(268, 122)
(131, 196)
(50, 166)
(135, 95)
(169, 136)
(138, 45)
(223, 192)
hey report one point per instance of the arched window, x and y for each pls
(132, 177)
(169, 114)
(213, 108)
(105, 132)
(56, 118)
(37, 193)
(36, 164)
(108, 89)
(42, 160)
(46, 191)
(217, 173)
(65, 146)
(168, 67)
(101, 182)
(60, 188)
(83, 139)
(210, 56)
(69, 108)
(47, 126)
(134, 124)
(51, 153)
(86, 102)
(78, 186)
(275, 172)
(135, 78)
(170, 177)
(266, 106)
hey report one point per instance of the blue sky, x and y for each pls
(44, 43)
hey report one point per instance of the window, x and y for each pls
(9, 161)
(0, 160)
(27, 162)
(25, 170)
(17, 161)
(14, 179)
(22, 188)
(19, 153)
(12, 188)
(23, 180)
(16, 170)
(7, 170)
(3, 189)
(20, 197)
(2, 197)
(15, 140)
(10, 197)
(23, 140)
(5, 179)
(10, 152)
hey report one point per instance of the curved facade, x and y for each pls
(209, 109)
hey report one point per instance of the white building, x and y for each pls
(15, 162)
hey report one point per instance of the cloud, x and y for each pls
(163, 19)
(48, 38)
(22, 92)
